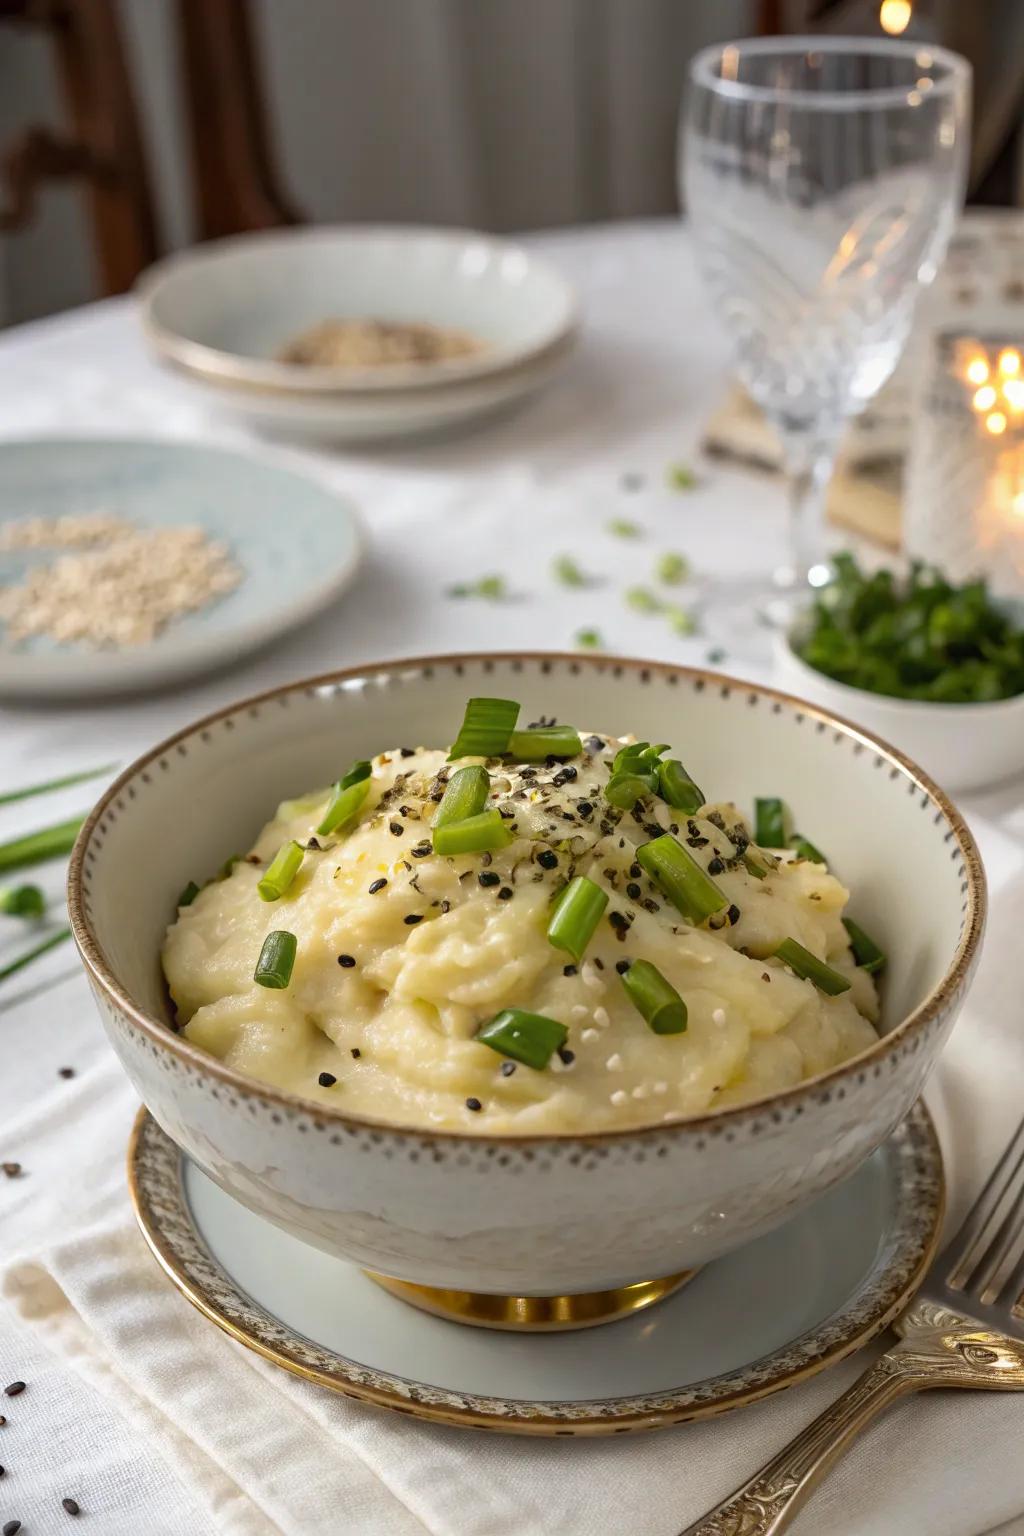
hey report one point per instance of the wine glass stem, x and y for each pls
(810, 466)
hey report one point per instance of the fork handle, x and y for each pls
(767, 1503)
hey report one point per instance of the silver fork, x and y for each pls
(965, 1328)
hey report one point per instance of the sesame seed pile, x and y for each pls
(115, 584)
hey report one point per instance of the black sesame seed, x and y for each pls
(585, 808)
(346, 961)
(649, 905)
(599, 962)
(421, 850)
(506, 893)
(547, 859)
(12, 1528)
(65, 1072)
(70, 1506)
(406, 752)
(2, 1471)
(635, 871)
(568, 970)
(14, 1388)
(377, 885)
(565, 1055)
(327, 1079)
(507, 1068)
(3, 1421)
(594, 744)
(633, 891)
(733, 915)
(395, 828)
(11, 1169)
(622, 966)
(355, 1053)
(412, 919)
(564, 776)
(313, 846)
(716, 866)
(489, 877)
(473, 1104)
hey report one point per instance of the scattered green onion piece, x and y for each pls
(865, 951)
(634, 773)
(282, 871)
(568, 572)
(577, 913)
(544, 741)
(681, 477)
(624, 528)
(589, 640)
(625, 789)
(805, 849)
(484, 833)
(188, 895)
(807, 966)
(643, 600)
(228, 866)
(770, 823)
(758, 863)
(465, 795)
(22, 901)
(51, 784)
(491, 587)
(277, 958)
(672, 568)
(655, 999)
(20, 961)
(486, 728)
(48, 843)
(680, 877)
(677, 788)
(346, 797)
(531, 1038)
(682, 621)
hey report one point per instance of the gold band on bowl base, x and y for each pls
(534, 1314)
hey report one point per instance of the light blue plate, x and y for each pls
(297, 544)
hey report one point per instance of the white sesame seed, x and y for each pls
(718, 1016)
(580, 1011)
(640, 1091)
(661, 1087)
(671, 1115)
(614, 1062)
(591, 977)
(601, 1018)
(620, 1097)
(588, 1035)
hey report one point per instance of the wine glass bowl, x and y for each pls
(823, 177)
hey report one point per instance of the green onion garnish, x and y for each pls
(809, 968)
(805, 849)
(465, 796)
(865, 951)
(47, 843)
(770, 823)
(21, 961)
(527, 1037)
(188, 895)
(22, 901)
(634, 773)
(65, 783)
(568, 572)
(493, 588)
(277, 957)
(577, 913)
(655, 998)
(545, 741)
(677, 788)
(757, 863)
(624, 528)
(589, 640)
(484, 833)
(346, 798)
(486, 728)
(682, 621)
(681, 477)
(643, 600)
(672, 568)
(681, 878)
(228, 866)
(282, 871)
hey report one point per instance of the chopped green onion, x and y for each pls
(277, 958)
(48, 843)
(589, 640)
(282, 871)
(531, 1038)
(347, 797)
(681, 878)
(484, 833)
(486, 728)
(22, 901)
(544, 741)
(625, 789)
(809, 968)
(228, 866)
(682, 621)
(568, 572)
(491, 587)
(758, 863)
(672, 568)
(643, 600)
(770, 823)
(577, 913)
(677, 788)
(51, 784)
(20, 961)
(681, 477)
(654, 998)
(805, 849)
(634, 773)
(865, 951)
(624, 528)
(188, 895)
(465, 796)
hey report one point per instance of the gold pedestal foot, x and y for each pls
(534, 1314)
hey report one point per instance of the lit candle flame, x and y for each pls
(995, 421)
(985, 398)
(977, 370)
(1009, 362)
(894, 16)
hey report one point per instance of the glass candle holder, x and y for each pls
(964, 492)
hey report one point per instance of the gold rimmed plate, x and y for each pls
(754, 1322)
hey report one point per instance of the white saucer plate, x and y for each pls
(752, 1323)
(298, 545)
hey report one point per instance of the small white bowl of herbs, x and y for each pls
(935, 668)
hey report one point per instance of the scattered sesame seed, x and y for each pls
(588, 1034)
(70, 1506)
(580, 1011)
(12, 1170)
(355, 1052)
(619, 1097)
(488, 877)
(346, 961)
(506, 893)
(718, 1016)
(395, 828)
(622, 966)
(566, 1056)
(591, 978)
(14, 1388)
(507, 1068)
(327, 1079)
(660, 1087)
(65, 1072)
(377, 885)
(601, 1018)
(412, 918)
(640, 1091)
(12, 1528)
(633, 891)
(765, 976)
(406, 752)
(733, 915)
(547, 859)
(614, 1062)
(569, 970)
(585, 808)
(474, 1105)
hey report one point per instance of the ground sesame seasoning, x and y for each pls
(619, 1097)
(622, 966)
(395, 828)
(70, 1506)
(474, 1105)
(412, 918)
(346, 961)
(507, 1068)
(14, 1388)
(506, 893)
(65, 1071)
(547, 859)
(488, 877)
(12, 1170)
(327, 1079)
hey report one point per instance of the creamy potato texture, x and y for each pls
(403, 954)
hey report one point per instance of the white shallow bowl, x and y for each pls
(527, 1215)
(963, 746)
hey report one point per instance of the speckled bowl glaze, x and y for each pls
(528, 1215)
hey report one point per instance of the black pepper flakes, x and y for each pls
(412, 918)
(474, 1105)
(548, 859)
(65, 1072)
(346, 962)
(506, 893)
(376, 885)
(355, 1053)
(326, 1079)
(488, 877)
(70, 1506)
(14, 1388)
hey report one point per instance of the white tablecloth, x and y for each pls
(507, 498)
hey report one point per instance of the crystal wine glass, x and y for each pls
(822, 177)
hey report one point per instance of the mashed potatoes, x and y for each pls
(403, 954)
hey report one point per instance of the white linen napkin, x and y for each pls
(257, 1451)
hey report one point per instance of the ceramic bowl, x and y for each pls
(522, 1215)
(963, 746)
